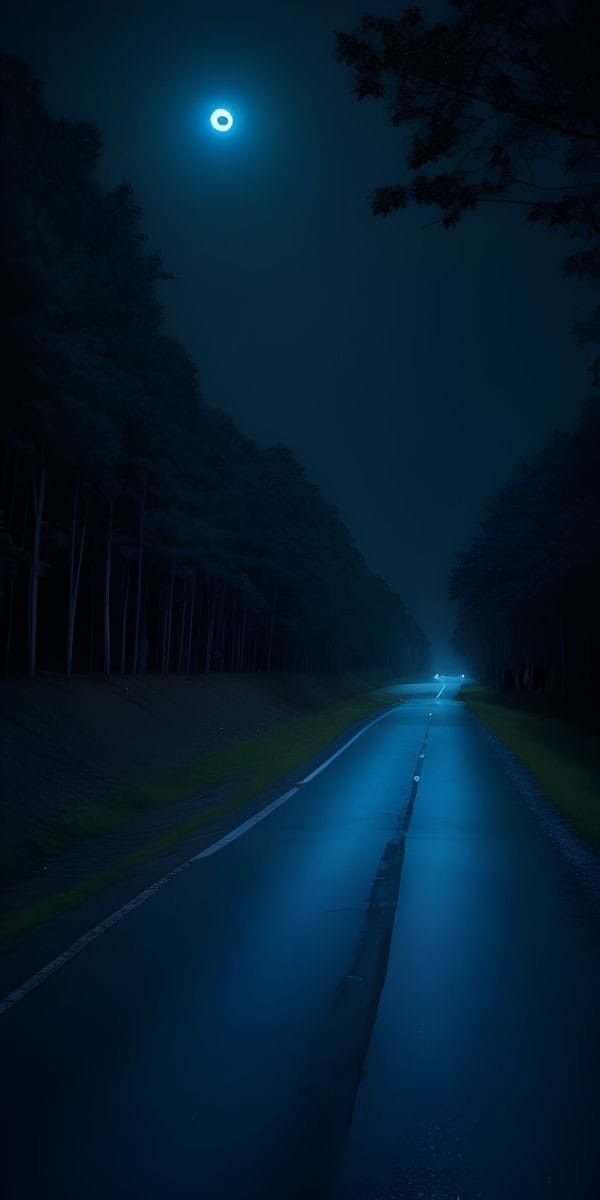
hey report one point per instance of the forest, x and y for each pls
(499, 105)
(527, 587)
(140, 531)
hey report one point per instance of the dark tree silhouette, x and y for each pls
(527, 587)
(505, 98)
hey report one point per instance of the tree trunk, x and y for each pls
(9, 623)
(144, 647)
(71, 614)
(271, 627)
(188, 662)
(563, 657)
(75, 559)
(220, 633)
(182, 628)
(124, 619)
(39, 493)
(243, 641)
(140, 560)
(92, 625)
(232, 647)
(163, 648)
(169, 620)
(13, 494)
(107, 575)
(209, 637)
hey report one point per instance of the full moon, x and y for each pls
(221, 120)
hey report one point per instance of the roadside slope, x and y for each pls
(101, 779)
(563, 758)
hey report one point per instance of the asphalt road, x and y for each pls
(388, 988)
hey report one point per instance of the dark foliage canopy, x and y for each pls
(140, 530)
(502, 106)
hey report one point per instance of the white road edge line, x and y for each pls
(62, 959)
(333, 757)
(245, 826)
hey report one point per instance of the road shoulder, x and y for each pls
(213, 818)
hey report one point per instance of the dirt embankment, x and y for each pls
(74, 753)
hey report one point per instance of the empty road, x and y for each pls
(388, 988)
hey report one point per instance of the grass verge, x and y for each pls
(250, 765)
(564, 759)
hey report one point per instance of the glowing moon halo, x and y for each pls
(221, 120)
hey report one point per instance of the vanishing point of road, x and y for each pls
(387, 989)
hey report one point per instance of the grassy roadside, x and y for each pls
(250, 765)
(563, 759)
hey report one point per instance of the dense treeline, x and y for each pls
(528, 586)
(140, 530)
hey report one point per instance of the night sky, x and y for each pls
(409, 369)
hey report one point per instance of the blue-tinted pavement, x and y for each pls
(216, 1042)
